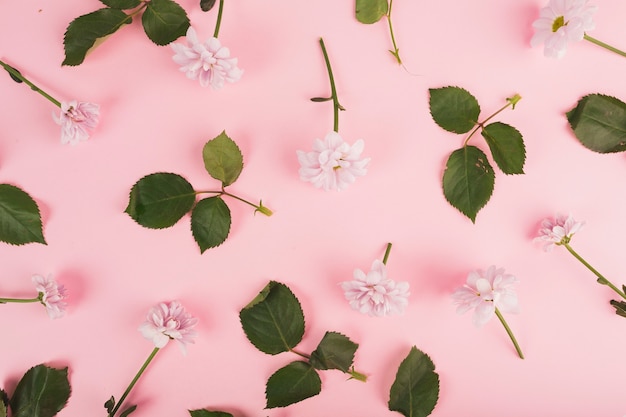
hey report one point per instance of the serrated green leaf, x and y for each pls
(415, 391)
(371, 11)
(160, 200)
(207, 5)
(84, 31)
(207, 413)
(291, 384)
(599, 123)
(129, 410)
(468, 180)
(507, 147)
(42, 392)
(164, 21)
(223, 159)
(273, 321)
(210, 222)
(122, 4)
(20, 220)
(454, 109)
(335, 351)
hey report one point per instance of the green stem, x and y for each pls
(134, 381)
(510, 333)
(511, 101)
(304, 355)
(218, 23)
(19, 300)
(387, 253)
(333, 90)
(601, 279)
(604, 45)
(354, 374)
(396, 51)
(32, 86)
(260, 208)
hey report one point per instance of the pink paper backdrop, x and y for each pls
(154, 119)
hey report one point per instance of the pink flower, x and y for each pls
(375, 294)
(333, 164)
(51, 295)
(558, 231)
(484, 292)
(561, 22)
(208, 62)
(167, 321)
(76, 120)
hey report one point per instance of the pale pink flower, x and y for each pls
(561, 22)
(333, 164)
(208, 62)
(375, 294)
(484, 292)
(77, 119)
(167, 321)
(558, 231)
(51, 295)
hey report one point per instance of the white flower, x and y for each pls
(51, 295)
(169, 321)
(484, 292)
(76, 120)
(558, 231)
(333, 164)
(561, 22)
(208, 62)
(375, 294)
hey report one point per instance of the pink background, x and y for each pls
(154, 119)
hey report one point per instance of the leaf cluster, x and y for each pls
(274, 323)
(599, 123)
(161, 199)
(468, 179)
(20, 219)
(163, 21)
(41, 392)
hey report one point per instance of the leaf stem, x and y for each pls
(260, 208)
(510, 333)
(601, 279)
(354, 374)
(396, 51)
(15, 73)
(511, 101)
(604, 45)
(387, 253)
(134, 381)
(333, 90)
(304, 355)
(19, 300)
(218, 23)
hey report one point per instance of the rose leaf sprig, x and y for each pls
(163, 21)
(274, 323)
(564, 21)
(50, 294)
(20, 219)
(415, 391)
(164, 322)
(599, 123)
(371, 11)
(42, 391)
(468, 179)
(559, 232)
(161, 199)
(77, 118)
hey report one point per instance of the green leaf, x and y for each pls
(42, 392)
(13, 76)
(371, 11)
(121, 4)
(454, 109)
(273, 321)
(335, 351)
(415, 391)
(129, 410)
(160, 200)
(223, 159)
(20, 220)
(82, 32)
(207, 413)
(207, 5)
(291, 384)
(620, 307)
(468, 180)
(110, 404)
(599, 123)
(4, 402)
(210, 222)
(507, 147)
(164, 21)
